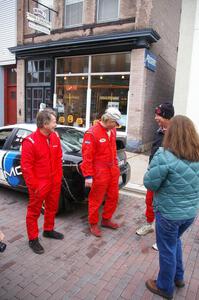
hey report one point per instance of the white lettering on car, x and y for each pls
(14, 171)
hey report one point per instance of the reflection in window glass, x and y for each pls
(71, 139)
(4, 135)
(71, 100)
(117, 62)
(72, 65)
(20, 135)
(109, 91)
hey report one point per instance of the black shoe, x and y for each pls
(179, 283)
(36, 246)
(52, 234)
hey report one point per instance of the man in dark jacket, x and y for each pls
(41, 163)
(163, 113)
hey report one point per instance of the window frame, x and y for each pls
(7, 140)
(49, 15)
(107, 20)
(73, 25)
(89, 74)
(20, 142)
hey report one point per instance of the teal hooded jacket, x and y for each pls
(175, 183)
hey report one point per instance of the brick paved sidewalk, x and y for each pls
(82, 266)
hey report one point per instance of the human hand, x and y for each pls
(88, 182)
(1, 236)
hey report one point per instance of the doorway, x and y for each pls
(10, 100)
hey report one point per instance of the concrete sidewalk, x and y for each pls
(139, 163)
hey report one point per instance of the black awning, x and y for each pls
(114, 42)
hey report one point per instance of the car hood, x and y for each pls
(72, 157)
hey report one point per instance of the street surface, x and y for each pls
(81, 266)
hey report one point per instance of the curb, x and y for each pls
(135, 188)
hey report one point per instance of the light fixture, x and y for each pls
(83, 77)
(65, 77)
(123, 77)
(101, 77)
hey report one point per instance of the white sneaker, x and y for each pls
(147, 228)
(155, 247)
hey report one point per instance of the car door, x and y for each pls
(5, 136)
(11, 161)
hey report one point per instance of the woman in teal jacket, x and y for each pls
(173, 175)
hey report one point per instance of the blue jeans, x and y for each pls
(168, 234)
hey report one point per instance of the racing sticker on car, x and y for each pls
(12, 169)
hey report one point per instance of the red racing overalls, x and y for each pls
(149, 213)
(100, 162)
(41, 164)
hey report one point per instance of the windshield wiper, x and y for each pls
(72, 151)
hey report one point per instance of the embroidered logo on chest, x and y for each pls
(102, 140)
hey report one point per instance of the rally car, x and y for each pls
(73, 188)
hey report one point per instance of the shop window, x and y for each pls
(38, 71)
(73, 12)
(72, 65)
(38, 86)
(107, 10)
(86, 86)
(111, 63)
(109, 91)
(71, 100)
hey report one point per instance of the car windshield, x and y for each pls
(71, 139)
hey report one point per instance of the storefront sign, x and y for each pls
(150, 60)
(38, 22)
(113, 104)
(112, 98)
(38, 27)
(39, 12)
(71, 87)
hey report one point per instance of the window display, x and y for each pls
(85, 86)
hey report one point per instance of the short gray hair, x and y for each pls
(44, 117)
(105, 118)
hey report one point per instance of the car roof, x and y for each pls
(30, 126)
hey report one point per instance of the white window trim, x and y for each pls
(108, 20)
(69, 3)
(88, 97)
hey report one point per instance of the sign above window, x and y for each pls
(150, 60)
(38, 22)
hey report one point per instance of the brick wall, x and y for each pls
(136, 100)
(159, 86)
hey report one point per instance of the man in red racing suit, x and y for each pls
(101, 171)
(41, 164)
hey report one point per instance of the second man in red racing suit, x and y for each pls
(101, 171)
(41, 163)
